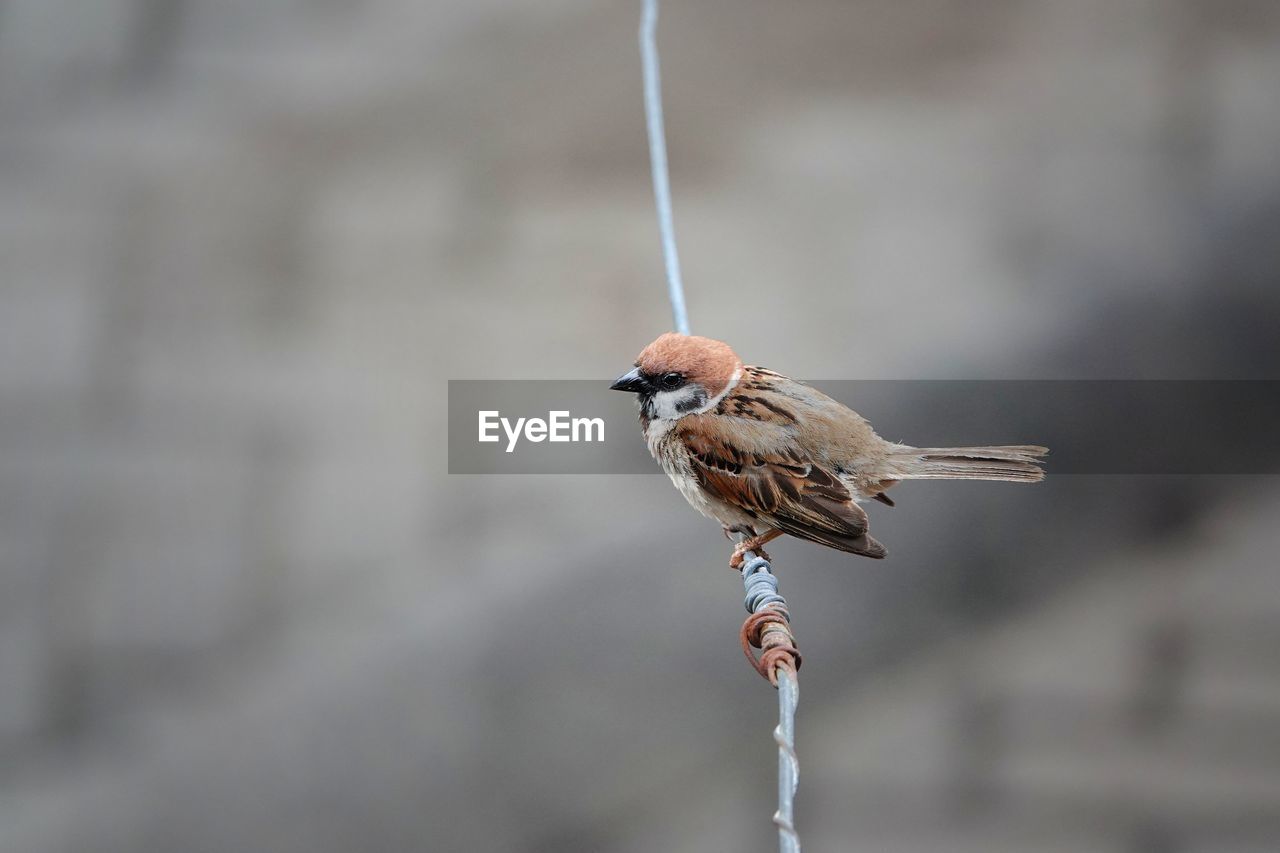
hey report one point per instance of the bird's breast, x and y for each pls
(674, 457)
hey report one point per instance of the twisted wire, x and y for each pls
(768, 628)
(784, 734)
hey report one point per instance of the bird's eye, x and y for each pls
(671, 381)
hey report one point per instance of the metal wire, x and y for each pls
(763, 599)
(788, 761)
(658, 163)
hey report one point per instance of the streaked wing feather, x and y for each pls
(783, 489)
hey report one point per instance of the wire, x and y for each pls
(658, 163)
(768, 627)
(788, 761)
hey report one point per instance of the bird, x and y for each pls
(767, 455)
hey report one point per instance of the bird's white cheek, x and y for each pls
(664, 407)
(670, 405)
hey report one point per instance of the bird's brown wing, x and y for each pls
(783, 489)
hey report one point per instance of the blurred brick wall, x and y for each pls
(242, 245)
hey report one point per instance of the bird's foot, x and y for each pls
(755, 545)
(740, 554)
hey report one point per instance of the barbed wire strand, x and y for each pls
(658, 163)
(768, 627)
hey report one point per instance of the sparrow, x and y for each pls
(767, 455)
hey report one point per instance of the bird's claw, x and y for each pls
(740, 553)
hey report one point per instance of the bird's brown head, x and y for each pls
(677, 375)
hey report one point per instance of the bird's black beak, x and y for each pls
(632, 381)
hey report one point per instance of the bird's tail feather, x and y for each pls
(1015, 463)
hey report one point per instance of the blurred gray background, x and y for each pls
(243, 245)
